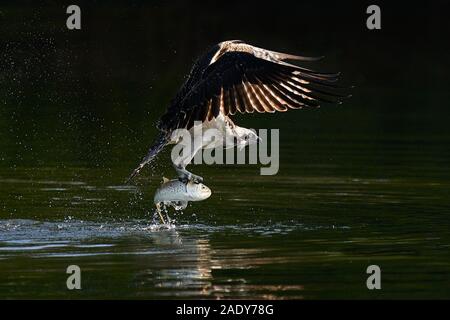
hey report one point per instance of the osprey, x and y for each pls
(232, 77)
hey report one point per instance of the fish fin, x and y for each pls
(179, 205)
(158, 211)
(183, 205)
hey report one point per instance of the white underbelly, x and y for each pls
(215, 133)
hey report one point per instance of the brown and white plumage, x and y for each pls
(242, 78)
(235, 77)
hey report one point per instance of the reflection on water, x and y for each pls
(289, 236)
(176, 262)
(318, 247)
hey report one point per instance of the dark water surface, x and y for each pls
(309, 232)
(364, 183)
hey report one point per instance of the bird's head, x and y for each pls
(246, 137)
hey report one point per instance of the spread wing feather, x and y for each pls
(242, 82)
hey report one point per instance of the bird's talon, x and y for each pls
(183, 179)
(198, 180)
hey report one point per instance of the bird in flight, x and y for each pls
(233, 77)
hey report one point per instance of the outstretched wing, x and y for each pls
(239, 81)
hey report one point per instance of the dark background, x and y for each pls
(362, 183)
(92, 96)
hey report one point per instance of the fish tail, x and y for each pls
(160, 142)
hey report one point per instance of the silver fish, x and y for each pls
(177, 194)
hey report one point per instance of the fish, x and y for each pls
(177, 194)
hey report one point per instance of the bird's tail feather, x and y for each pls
(157, 146)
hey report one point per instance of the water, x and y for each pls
(360, 184)
(306, 233)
